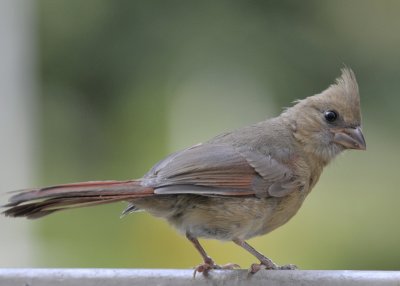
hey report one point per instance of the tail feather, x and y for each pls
(35, 203)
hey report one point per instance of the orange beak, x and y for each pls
(350, 138)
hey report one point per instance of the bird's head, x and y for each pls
(329, 122)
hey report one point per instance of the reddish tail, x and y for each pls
(35, 203)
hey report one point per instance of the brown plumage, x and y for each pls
(235, 186)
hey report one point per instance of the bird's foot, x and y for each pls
(254, 268)
(209, 264)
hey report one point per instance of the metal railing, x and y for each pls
(177, 277)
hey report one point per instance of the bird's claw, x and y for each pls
(254, 268)
(288, 267)
(207, 266)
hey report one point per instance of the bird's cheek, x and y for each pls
(325, 139)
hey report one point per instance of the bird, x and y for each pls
(235, 186)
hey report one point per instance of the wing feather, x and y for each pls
(220, 169)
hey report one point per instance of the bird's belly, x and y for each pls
(226, 218)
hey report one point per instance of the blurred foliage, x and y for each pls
(124, 83)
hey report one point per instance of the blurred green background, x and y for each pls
(121, 84)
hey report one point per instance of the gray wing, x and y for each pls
(220, 169)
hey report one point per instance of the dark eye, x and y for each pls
(331, 115)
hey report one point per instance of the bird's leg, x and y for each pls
(266, 263)
(208, 261)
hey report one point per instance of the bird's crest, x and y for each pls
(342, 96)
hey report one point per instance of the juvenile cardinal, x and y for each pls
(237, 185)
